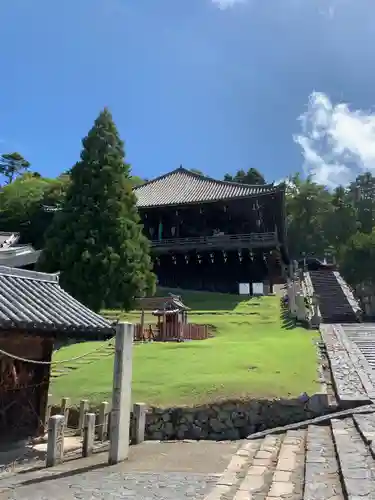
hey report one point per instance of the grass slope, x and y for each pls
(254, 354)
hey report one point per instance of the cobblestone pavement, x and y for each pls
(350, 371)
(154, 471)
(116, 485)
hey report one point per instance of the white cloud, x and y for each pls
(337, 142)
(227, 4)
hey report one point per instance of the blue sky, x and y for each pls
(280, 85)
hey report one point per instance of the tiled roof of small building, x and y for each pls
(183, 186)
(31, 300)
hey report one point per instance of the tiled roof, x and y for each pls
(182, 186)
(31, 300)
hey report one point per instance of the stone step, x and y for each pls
(258, 479)
(288, 478)
(322, 474)
(333, 460)
(234, 474)
(356, 462)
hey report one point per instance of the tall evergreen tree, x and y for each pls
(96, 240)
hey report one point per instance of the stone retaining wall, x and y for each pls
(227, 420)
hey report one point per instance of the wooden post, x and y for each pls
(164, 327)
(44, 374)
(83, 409)
(88, 434)
(48, 412)
(142, 335)
(65, 404)
(139, 422)
(103, 421)
(121, 397)
(55, 444)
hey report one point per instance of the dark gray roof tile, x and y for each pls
(32, 300)
(183, 186)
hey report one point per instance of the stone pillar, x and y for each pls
(139, 422)
(88, 434)
(65, 405)
(301, 308)
(121, 396)
(83, 408)
(103, 421)
(55, 444)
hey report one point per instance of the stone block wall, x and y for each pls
(229, 420)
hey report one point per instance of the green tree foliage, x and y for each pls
(358, 258)
(21, 205)
(196, 171)
(252, 176)
(96, 240)
(12, 165)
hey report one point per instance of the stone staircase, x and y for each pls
(335, 304)
(334, 461)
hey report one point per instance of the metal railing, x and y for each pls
(256, 239)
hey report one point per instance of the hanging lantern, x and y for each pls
(157, 261)
(177, 213)
(174, 259)
(225, 208)
(146, 216)
(187, 259)
(251, 255)
(199, 258)
(239, 255)
(212, 257)
(225, 256)
(201, 211)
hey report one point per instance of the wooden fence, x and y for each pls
(189, 331)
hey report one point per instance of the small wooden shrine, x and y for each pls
(35, 313)
(172, 316)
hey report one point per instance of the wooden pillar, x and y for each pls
(164, 325)
(142, 324)
(45, 372)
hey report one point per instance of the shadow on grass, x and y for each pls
(287, 322)
(205, 301)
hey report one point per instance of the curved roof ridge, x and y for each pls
(182, 186)
(205, 178)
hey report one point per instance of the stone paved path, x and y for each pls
(353, 376)
(154, 471)
(115, 485)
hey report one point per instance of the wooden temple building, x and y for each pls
(212, 235)
(35, 313)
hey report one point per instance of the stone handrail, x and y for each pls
(296, 291)
(313, 303)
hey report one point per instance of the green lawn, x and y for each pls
(253, 354)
